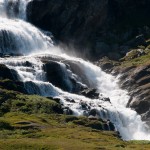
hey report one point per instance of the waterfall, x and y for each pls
(32, 48)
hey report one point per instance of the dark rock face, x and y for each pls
(137, 81)
(6, 73)
(57, 74)
(97, 27)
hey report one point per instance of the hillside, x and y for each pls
(33, 122)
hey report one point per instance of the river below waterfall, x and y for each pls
(30, 49)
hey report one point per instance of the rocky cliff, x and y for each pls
(134, 75)
(96, 28)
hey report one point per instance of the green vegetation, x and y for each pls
(11, 101)
(136, 57)
(31, 122)
(43, 131)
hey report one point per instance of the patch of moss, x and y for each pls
(94, 124)
(135, 59)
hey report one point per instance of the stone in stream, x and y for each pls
(90, 93)
(107, 99)
(67, 111)
(6, 73)
(93, 112)
(58, 74)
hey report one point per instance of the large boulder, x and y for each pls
(59, 74)
(90, 93)
(6, 73)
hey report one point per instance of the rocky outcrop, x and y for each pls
(6, 73)
(13, 85)
(136, 80)
(96, 28)
(60, 75)
(90, 93)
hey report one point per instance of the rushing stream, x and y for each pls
(29, 46)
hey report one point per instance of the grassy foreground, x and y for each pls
(50, 132)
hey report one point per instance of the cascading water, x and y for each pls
(18, 37)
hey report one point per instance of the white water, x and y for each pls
(32, 43)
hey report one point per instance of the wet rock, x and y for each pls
(67, 111)
(108, 126)
(93, 112)
(107, 66)
(32, 88)
(107, 99)
(90, 93)
(28, 64)
(84, 105)
(58, 75)
(6, 73)
(111, 125)
(70, 100)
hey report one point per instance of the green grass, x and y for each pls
(133, 60)
(53, 131)
(11, 101)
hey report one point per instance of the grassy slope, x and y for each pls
(30, 122)
(42, 131)
(133, 60)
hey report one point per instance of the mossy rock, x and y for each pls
(13, 85)
(133, 54)
(11, 101)
(84, 121)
